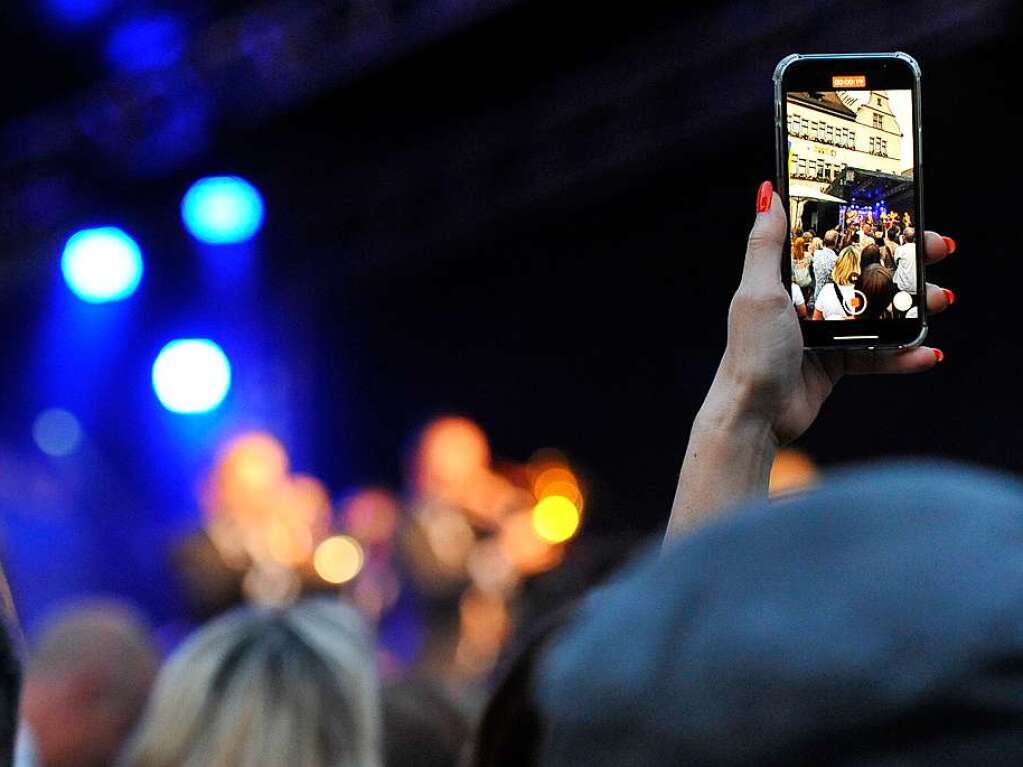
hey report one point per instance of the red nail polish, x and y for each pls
(939, 355)
(764, 194)
(950, 245)
(950, 297)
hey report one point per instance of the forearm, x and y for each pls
(728, 460)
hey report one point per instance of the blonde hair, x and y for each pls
(258, 687)
(847, 267)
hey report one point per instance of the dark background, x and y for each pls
(531, 213)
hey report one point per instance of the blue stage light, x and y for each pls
(146, 43)
(222, 210)
(57, 432)
(191, 375)
(76, 12)
(102, 264)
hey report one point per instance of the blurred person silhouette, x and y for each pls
(10, 674)
(423, 725)
(878, 289)
(874, 622)
(867, 623)
(261, 687)
(86, 682)
(511, 730)
(835, 297)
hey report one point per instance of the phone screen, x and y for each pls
(852, 188)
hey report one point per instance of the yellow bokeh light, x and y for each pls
(556, 518)
(338, 559)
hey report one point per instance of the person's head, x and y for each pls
(909, 234)
(868, 228)
(86, 683)
(10, 675)
(847, 267)
(266, 687)
(851, 625)
(831, 238)
(878, 288)
(423, 726)
(871, 254)
(817, 244)
(893, 233)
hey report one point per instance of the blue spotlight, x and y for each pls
(57, 432)
(75, 12)
(222, 210)
(146, 43)
(191, 375)
(102, 264)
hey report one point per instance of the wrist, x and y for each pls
(729, 409)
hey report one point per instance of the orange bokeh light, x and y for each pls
(792, 470)
(551, 474)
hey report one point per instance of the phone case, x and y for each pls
(781, 155)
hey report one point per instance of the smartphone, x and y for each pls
(849, 172)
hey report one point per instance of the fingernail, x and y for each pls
(764, 197)
(950, 297)
(950, 244)
(939, 355)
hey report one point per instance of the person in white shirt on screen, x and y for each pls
(836, 295)
(905, 262)
(798, 301)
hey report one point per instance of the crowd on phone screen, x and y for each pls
(865, 263)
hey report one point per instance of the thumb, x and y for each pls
(762, 269)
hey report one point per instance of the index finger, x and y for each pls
(937, 247)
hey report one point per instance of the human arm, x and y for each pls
(768, 390)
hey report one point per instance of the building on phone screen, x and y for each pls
(845, 153)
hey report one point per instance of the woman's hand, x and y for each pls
(768, 390)
(765, 371)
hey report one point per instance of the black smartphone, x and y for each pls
(849, 173)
